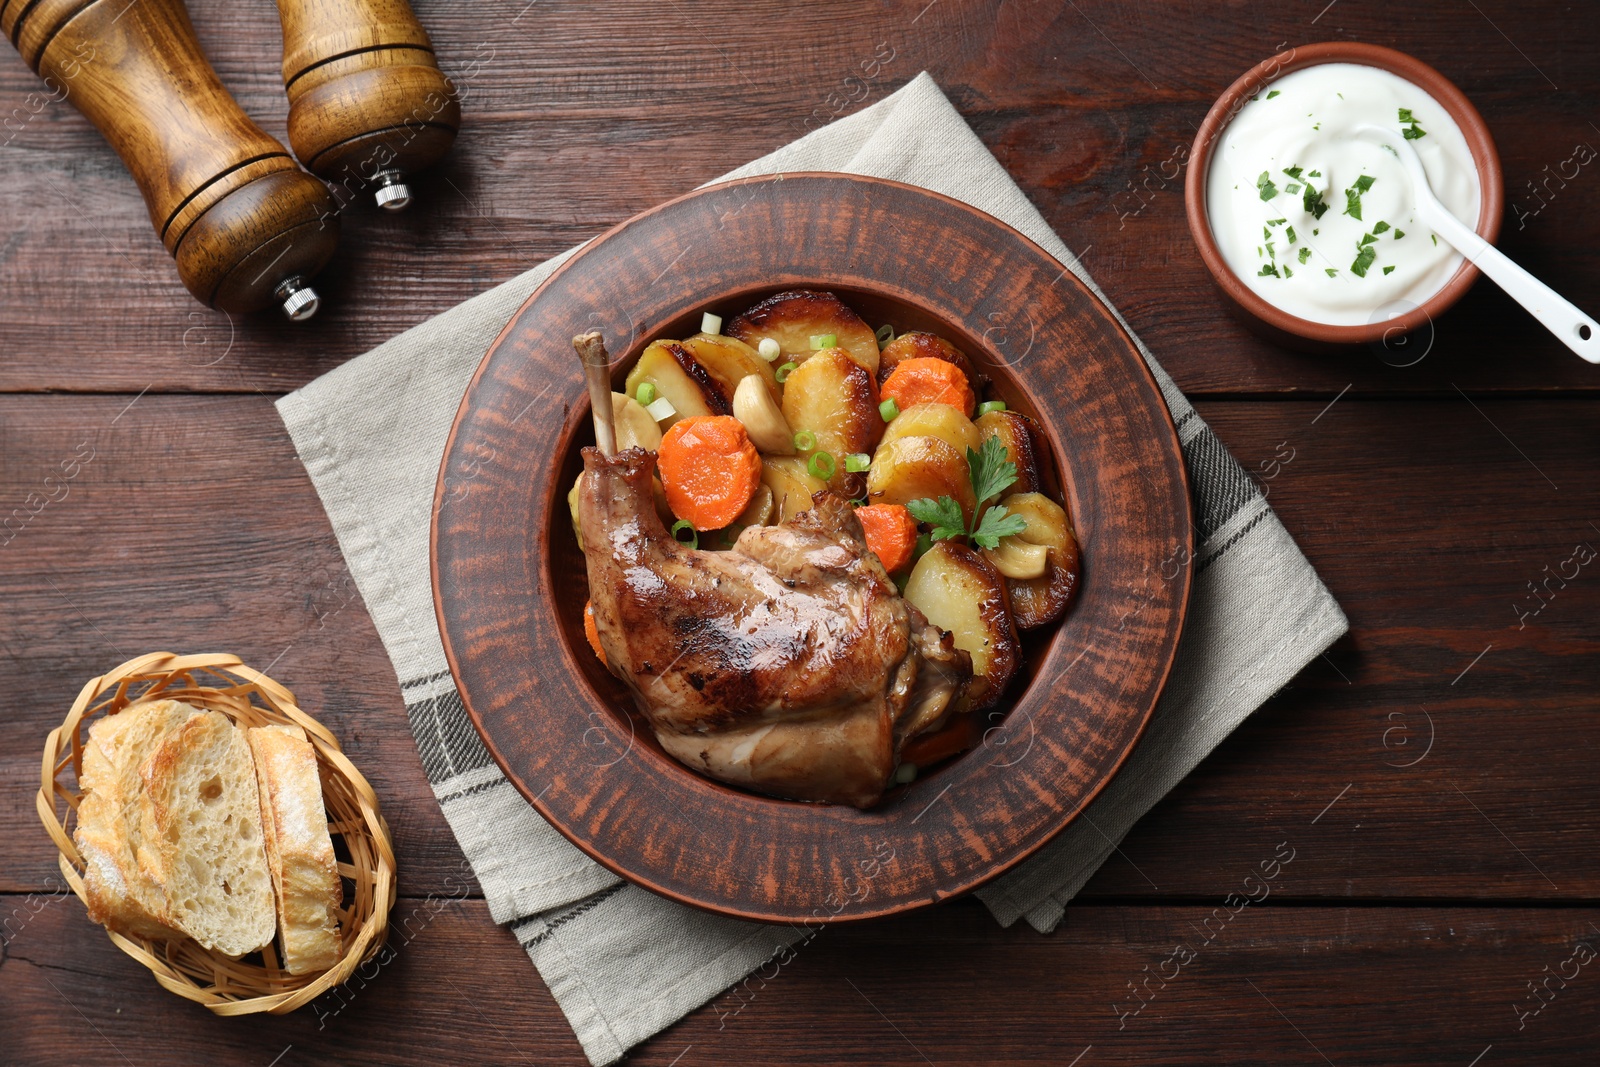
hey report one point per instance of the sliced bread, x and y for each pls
(305, 875)
(203, 809)
(120, 894)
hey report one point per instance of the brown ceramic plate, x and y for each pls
(510, 585)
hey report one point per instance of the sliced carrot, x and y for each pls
(709, 469)
(891, 533)
(591, 631)
(925, 380)
(952, 739)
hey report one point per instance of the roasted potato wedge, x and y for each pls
(943, 421)
(1036, 601)
(759, 511)
(678, 376)
(730, 361)
(1024, 446)
(634, 426)
(960, 591)
(791, 485)
(918, 344)
(793, 318)
(911, 468)
(833, 397)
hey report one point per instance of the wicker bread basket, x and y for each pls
(255, 983)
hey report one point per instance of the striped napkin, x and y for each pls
(622, 962)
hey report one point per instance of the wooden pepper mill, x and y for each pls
(247, 227)
(368, 104)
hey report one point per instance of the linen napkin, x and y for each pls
(623, 963)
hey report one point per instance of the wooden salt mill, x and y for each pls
(368, 104)
(247, 227)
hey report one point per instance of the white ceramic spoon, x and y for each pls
(1575, 329)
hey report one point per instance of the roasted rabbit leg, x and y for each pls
(788, 665)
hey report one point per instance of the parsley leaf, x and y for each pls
(1399, 233)
(1412, 132)
(1311, 198)
(1294, 172)
(990, 469)
(1364, 260)
(944, 515)
(1268, 269)
(1387, 270)
(1272, 94)
(1381, 227)
(1264, 183)
(1293, 237)
(1352, 196)
(1333, 272)
(1305, 253)
(996, 524)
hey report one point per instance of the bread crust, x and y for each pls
(305, 873)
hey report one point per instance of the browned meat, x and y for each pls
(789, 665)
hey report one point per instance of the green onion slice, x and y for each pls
(885, 334)
(821, 465)
(769, 349)
(888, 409)
(682, 525)
(782, 373)
(856, 462)
(824, 340)
(804, 441)
(646, 393)
(990, 405)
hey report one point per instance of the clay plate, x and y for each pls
(509, 580)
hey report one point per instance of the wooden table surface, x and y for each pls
(1434, 773)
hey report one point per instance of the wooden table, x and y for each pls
(1434, 773)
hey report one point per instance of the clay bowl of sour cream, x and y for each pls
(1309, 230)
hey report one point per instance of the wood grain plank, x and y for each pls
(1088, 105)
(194, 528)
(1271, 984)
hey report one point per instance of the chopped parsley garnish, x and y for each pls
(991, 472)
(1332, 271)
(1365, 254)
(1412, 131)
(1381, 227)
(1314, 174)
(1366, 239)
(1268, 269)
(1312, 200)
(1387, 270)
(1272, 94)
(1435, 239)
(1294, 172)
(1399, 233)
(1276, 222)
(1292, 188)
(1264, 183)
(1352, 196)
(1266, 233)
(1287, 273)
(1305, 253)
(1293, 237)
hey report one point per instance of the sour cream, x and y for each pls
(1320, 222)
